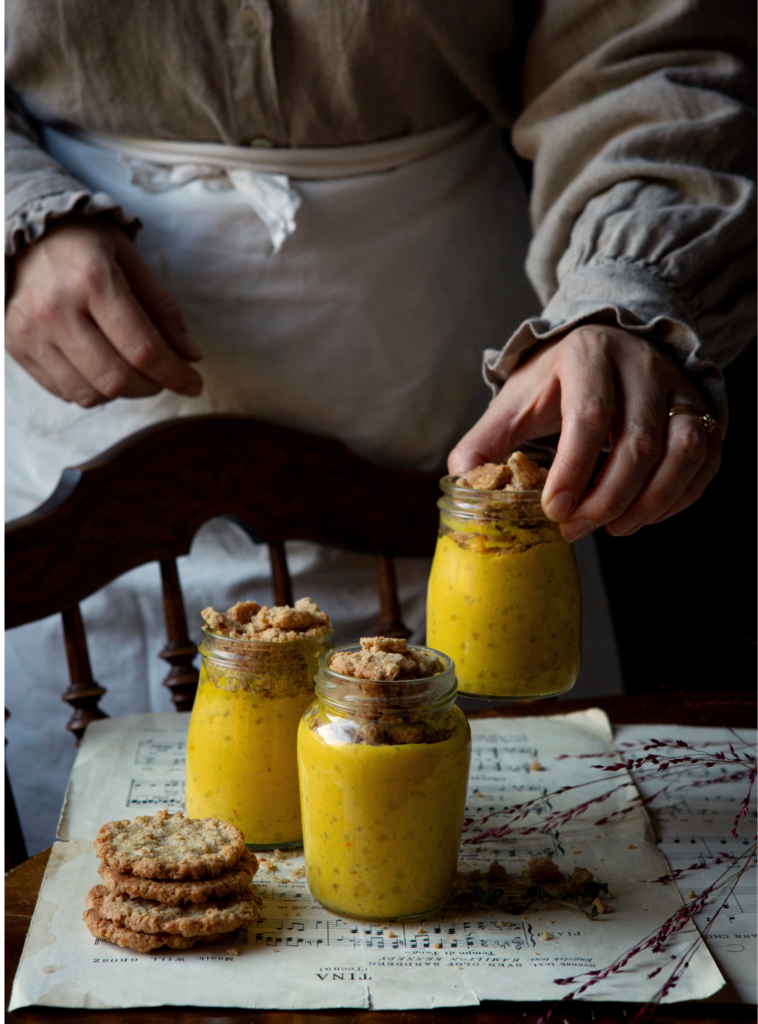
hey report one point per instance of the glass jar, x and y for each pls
(504, 598)
(383, 775)
(241, 746)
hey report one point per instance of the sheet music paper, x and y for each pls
(693, 823)
(301, 956)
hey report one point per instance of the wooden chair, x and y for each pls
(144, 499)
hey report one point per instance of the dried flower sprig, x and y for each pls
(644, 766)
(715, 859)
(656, 942)
(653, 760)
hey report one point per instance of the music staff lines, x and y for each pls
(161, 754)
(359, 935)
(156, 792)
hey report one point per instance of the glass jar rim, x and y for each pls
(346, 694)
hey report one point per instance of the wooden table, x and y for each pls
(23, 884)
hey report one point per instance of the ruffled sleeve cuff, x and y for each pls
(28, 221)
(643, 303)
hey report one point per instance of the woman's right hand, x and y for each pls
(87, 319)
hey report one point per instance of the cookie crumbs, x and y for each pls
(232, 952)
(421, 932)
(535, 766)
(244, 612)
(496, 872)
(527, 475)
(298, 872)
(438, 945)
(386, 659)
(546, 936)
(489, 477)
(248, 620)
(391, 935)
(285, 880)
(519, 473)
(579, 880)
(631, 846)
(543, 870)
(600, 907)
(690, 894)
(267, 864)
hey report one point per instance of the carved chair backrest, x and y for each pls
(144, 499)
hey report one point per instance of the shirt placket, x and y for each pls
(258, 113)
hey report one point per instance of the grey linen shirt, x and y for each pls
(636, 114)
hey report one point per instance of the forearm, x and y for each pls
(38, 190)
(639, 125)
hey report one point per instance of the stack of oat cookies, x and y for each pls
(171, 881)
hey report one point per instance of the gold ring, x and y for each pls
(708, 421)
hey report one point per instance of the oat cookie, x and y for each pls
(101, 928)
(171, 846)
(224, 915)
(235, 879)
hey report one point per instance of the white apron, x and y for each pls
(342, 291)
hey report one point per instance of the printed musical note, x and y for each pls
(161, 753)
(167, 793)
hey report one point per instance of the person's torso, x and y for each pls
(278, 72)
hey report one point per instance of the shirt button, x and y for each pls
(248, 21)
(261, 142)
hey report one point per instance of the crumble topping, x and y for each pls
(519, 473)
(389, 678)
(247, 620)
(386, 658)
(508, 517)
(275, 667)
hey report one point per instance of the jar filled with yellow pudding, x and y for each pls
(504, 599)
(256, 679)
(383, 756)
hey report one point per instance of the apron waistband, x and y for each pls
(307, 163)
(262, 176)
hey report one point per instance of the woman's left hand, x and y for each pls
(598, 385)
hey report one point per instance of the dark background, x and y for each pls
(683, 593)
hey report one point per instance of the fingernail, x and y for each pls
(576, 529)
(560, 506)
(192, 390)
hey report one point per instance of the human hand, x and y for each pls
(601, 384)
(87, 319)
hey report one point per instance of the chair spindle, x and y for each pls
(84, 693)
(391, 623)
(280, 574)
(15, 846)
(179, 651)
